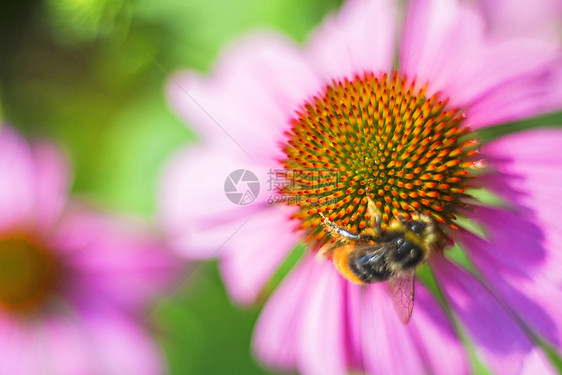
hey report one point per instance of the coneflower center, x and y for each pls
(380, 139)
(27, 275)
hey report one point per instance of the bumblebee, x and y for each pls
(391, 254)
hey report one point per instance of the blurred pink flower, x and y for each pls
(266, 93)
(73, 283)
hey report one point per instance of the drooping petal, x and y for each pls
(499, 340)
(267, 238)
(194, 208)
(444, 44)
(522, 257)
(19, 348)
(321, 333)
(387, 342)
(359, 38)
(17, 185)
(303, 324)
(97, 342)
(114, 261)
(67, 345)
(528, 175)
(246, 106)
(528, 293)
(34, 183)
(277, 330)
(519, 18)
(434, 335)
(320, 323)
(52, 183)
(120, 346)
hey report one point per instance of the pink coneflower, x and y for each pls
(352, 151)
(73, 283)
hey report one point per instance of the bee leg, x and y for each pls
(340, 231)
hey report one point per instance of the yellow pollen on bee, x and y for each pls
(377, 138)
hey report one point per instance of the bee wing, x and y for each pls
(401, 290)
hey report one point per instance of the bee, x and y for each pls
(391, 254)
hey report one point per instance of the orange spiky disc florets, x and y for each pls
(376, 138)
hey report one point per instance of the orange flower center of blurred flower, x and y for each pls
(27, 275)
(377, 138)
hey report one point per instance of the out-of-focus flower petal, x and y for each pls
(359, 38)
(499, 340)
(120, 347)
(67, 344)
(197, 215)
(519, 18)
(114, 261)
(256, 87)
(96, 342)
(52, 182)
(34, 183)
(17, 185)
(445, 44)
(18, 348)
(267, 238)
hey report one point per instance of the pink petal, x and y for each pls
(529, 294)
(499, 341)
(99, 342)
(119, 346)
(19, 348)
(197, 215)
(17, 185)
(114, 261)
(523, 257)
(444, 44)
(434, 335)
(528, 175)
(386, 341)
(52, 182)
(257, 86)
(68, 346)
(323, 323)
(276, 332)
(34, 183)
(303, 323)
(359, 38)
(257, 249)
(520, 18)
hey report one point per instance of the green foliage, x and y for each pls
(202, 332)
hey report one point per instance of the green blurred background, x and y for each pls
(90, 75)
